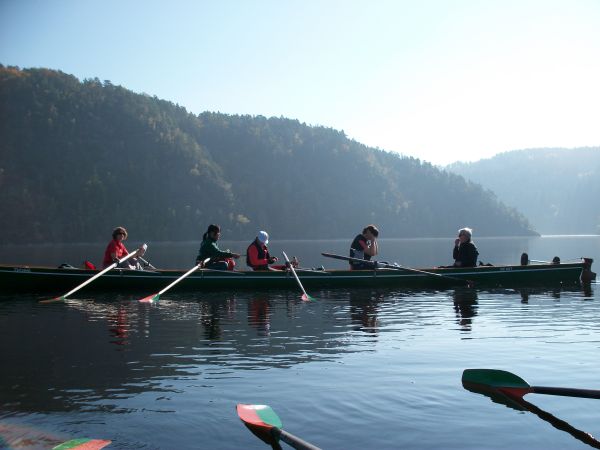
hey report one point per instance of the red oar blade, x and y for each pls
(150, 299)
(83, 444)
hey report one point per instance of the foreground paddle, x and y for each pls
(99, 274)
(305, 296)
(155, 297)
(508, 389)
(396, 267)
(509, 383)
(82, 444)
(266, 425)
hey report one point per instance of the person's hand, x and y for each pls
(456, 242)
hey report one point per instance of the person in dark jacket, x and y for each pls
(465, 253)
(364, 246)
(219, 259)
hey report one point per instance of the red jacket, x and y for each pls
(115, 247)
(257, 256)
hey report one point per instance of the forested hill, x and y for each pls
(78, 158)
(557, 189)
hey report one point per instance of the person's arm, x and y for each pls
(216, 252)
(370, 250)
(472, 255)
(375, 246)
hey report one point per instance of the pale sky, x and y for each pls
(440, 80)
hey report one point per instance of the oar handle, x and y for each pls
(290, 439)
(567, 392)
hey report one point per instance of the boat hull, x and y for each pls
(46, 279)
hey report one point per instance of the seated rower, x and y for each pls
(465, 253)
(219, 259)
(364, 246)
(115, 250)
(257, 254)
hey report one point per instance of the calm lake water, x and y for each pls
(356, 369)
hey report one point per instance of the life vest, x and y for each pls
(356, 250)
(262, 254)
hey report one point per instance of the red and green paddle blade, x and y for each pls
(150, 299)
(52, 300)
(83, 444)
(501, 386)
(260, 420)
(259, 416)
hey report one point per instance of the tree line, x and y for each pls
(80, 157)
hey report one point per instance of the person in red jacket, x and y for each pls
(115, 250)
(258, 257)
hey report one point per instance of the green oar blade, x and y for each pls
(259, 415)
(494, 378)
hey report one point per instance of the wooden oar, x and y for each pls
(508, 389)
(82, 444)
(266, 424)
(305, 296)
(155, 297)
(99, 274)
(396, 267)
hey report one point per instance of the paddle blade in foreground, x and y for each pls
(82, 444)
(266, 425)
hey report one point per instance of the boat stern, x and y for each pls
(587, 275)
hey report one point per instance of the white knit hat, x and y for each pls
(263, 237)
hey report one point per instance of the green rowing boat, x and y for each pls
(49, 280)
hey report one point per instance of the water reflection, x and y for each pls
(465, 306)
(259, 315)
(363, 311)
(91, 354)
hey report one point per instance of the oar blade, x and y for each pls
(53, 300)
(501, 386)
(307, 298)
(259, 415)
(83, 444)
(150, 299)
(260, 420)
(494, 378)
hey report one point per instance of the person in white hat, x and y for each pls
(257, 255)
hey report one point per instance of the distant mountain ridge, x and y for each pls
(78, 158)
(557, 189)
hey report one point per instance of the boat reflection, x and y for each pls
(92, 353)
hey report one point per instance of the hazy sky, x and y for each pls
(441, 80)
